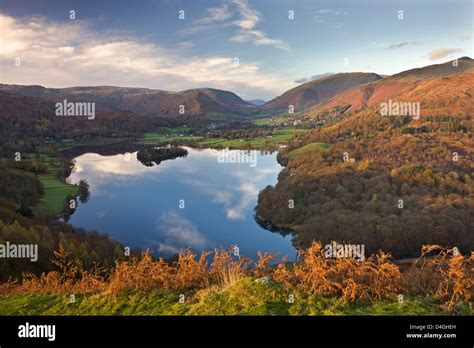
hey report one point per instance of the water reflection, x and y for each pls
(140, 206)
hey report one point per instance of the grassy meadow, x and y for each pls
(55, 191)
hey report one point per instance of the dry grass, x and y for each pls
(448, 275)
(439, 272)
(71, 278)
(372, 279)
(226, 269)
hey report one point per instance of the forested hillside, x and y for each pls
(20, 224)
(389, 182)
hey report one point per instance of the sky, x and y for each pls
(257, 49)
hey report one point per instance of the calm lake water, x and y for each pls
(140, 206)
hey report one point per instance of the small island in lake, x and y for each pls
(150, 155)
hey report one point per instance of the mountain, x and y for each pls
(378, 91)
(438, 70)
(163, 103)
(391, 182)
(144, 101)
(337, 94)
(27, 108)
(30, 123)
(257, 102)
(318, 91)
(446, 104)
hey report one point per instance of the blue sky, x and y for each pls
(144, 43)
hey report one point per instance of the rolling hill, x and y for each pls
(144, 101)
(318, 91)
(375, 92)
(445, 104)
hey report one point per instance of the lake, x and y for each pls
(201, 201)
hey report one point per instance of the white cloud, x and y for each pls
(442, 53)
(259, 38)
(215, 17)
(180, 232)
(217, 14)
(249, 17)
(325, 15)
(63, 54)
(246, 24)
(394, 46)
(67, 49)
(332, 12)
(186, 45)
(403, 44)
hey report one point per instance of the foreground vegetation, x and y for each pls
(441, 281)
(245, 297)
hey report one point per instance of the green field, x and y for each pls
(308, 148)
(246, 297)
(184, 138)
(156, 138)
(55, 191)
(178, 134)
(282, 137)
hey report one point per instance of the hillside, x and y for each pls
(446, 103)
(29, 124)
(318, 91)
(373, 93)
(389, 182)
(148, 102)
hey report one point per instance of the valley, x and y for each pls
(335, 168)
